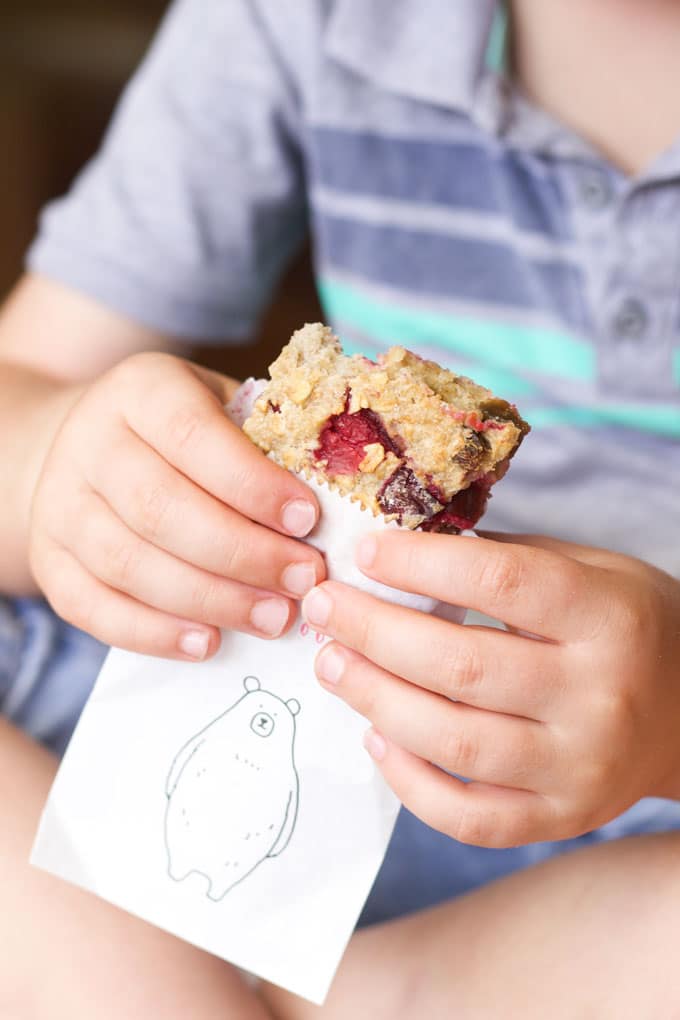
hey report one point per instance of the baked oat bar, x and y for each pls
(409, 440)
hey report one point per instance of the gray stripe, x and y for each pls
(439, 219)
(531, 318)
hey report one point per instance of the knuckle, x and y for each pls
(186, 427)
(567, 584)
(597, 774)
(154, 503)
(459, 749)
(409, 553)
(234, 557)
(618, 712)
(494, 827)
(459, 670)
(637, 617)
(502, 578)
(614, 708)
(139, 364)
(365, 625)
(471, 825)
(122, 560)
(207, 605)
(249, 480)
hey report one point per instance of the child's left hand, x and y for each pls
(557, 736)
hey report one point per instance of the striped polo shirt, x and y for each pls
(448, 214)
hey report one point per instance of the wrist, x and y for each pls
(32, 409)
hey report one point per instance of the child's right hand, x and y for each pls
(155, 521)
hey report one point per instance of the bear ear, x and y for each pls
(293, 706)
(251, 683)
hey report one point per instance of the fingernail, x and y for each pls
(194, 643)
(298, 517)
(375, 745)
(366, 551)
(316, 608)
(331, 665)
(269, 616)
(299, 578)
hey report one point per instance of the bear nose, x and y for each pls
(262, 724)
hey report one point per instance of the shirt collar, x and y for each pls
(431, 50)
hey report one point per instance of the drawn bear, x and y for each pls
(233, 792)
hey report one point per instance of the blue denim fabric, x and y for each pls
(47, 670)
(424, 867)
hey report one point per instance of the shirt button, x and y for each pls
(630, 321)
(596, 190)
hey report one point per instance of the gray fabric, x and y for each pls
(185, 218)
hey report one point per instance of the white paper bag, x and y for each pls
(232, 802)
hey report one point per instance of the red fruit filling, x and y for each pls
(472, 420)
(343, 439)
(463, 512)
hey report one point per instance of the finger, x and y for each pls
(582, 553)
(486, 746)
(162, 506)
(533, 589)
(192, 432)
(120, 621)
(123, 561)
(222, 386)
(483, 667)
(473, 813)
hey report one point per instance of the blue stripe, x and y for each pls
(463, 175)
(456, 268)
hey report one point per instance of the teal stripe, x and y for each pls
(656, 418)
(498, 344)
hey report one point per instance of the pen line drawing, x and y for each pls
(233, 792)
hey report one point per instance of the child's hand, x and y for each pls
(557, 735)
(155, 519)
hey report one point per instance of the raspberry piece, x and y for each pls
(463, 512)
(343, 439)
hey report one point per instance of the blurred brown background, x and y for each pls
(62, 65)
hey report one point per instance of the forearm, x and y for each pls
(53, 342)
(32, 407)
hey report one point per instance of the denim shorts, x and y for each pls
(47, 670)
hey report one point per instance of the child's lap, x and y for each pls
(47, 669)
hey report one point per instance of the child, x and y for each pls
(517, 221)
